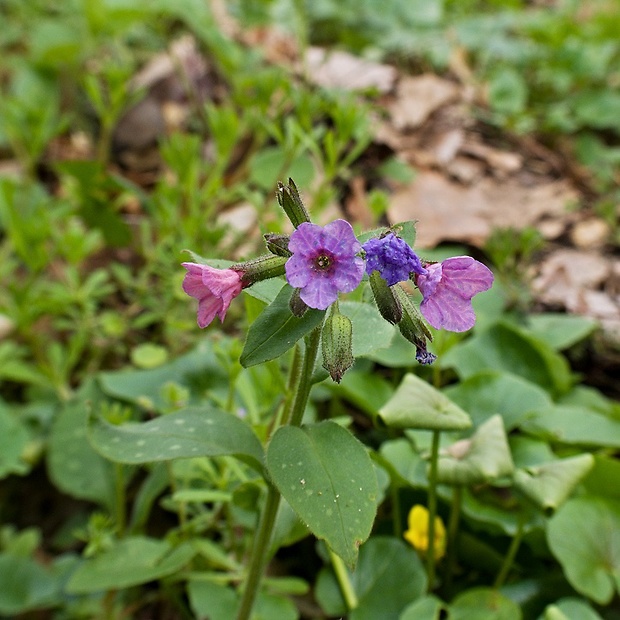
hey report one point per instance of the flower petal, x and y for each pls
(208, 307)
(348, 274)
(447, 311)
(466, 276)
(306, 239)
(298, 270)
(340, 240)
(320, 293)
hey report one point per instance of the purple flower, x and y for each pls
(392, 257)
(324, 262)
(448, 288)
(213, 288)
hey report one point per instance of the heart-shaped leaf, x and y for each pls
(574, 425)
(191, 432)
(583, 536)
(276, 330)
(550, 484)
(483, 457)
(327, 477)
(417, 404)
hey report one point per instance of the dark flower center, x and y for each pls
(323, 261)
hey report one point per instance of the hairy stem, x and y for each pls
(300, 383)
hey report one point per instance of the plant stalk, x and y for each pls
(509, 559)
(453, 530)
(342, 576)
(432, 509)
(301, 385)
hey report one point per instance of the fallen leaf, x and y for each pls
(337, 69)
(418, 97)
(449, 211)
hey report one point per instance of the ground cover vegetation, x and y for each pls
(142, 457)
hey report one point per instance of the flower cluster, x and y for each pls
(320, 262)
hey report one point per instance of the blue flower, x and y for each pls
(392, 257)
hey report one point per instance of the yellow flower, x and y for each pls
(417, 534)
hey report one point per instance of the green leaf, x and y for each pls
(417, 404)
(603, 478)
(130, 562)
(149, 355)
(403, 462)
(483, 604)
(508, 348)
(366, 390)
(507, 91)
(388, 577)
(483, 457)
(574, 426)
(428, 607)
(561, 331)
(583, 536)
(489, 392)
(13, 439)
(198, 371)
(570, 609)
(73, 466)
(25, 585)
(276, 330)
(550, 484)
(218, 602)
(371, 331)
(191, 432)
(327, 477)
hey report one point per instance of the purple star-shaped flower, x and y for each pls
(392, 257)
(324, 262)
(448, 288)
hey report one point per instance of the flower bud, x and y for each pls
(261, 268)
(296, 304)
(388, 305)
(412, 327)
(336, 342)
(278, 244)
(289, 200)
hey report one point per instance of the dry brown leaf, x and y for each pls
(337, 69)
(566, 274)
(418, 97)
(450, 211)
(590, 233)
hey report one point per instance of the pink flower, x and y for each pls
(213, 288)
(448, 288)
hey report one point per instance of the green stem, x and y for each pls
(453, 530)
(119, 484)
(305, 379)
(432, 509)
(342, 576)
(259, 553)
(510, 557)
(301, 384)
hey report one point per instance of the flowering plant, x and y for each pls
(319, 468)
